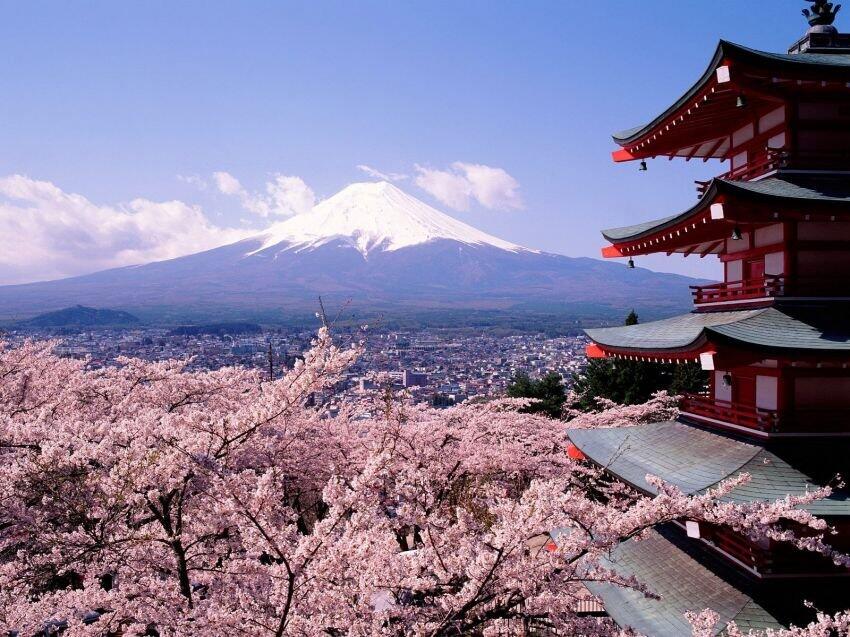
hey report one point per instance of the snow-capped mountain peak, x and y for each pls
(375, 216)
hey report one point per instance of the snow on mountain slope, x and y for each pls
(374, 216)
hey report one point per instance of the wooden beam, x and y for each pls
(711, 248)
(689, 251)
(714, 149)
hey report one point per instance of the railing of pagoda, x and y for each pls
(751, 417)
(772, 558)
(771, 286)
(746, 290)
(771, 159)
(821, 421)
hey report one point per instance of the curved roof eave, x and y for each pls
(696, 460)
(831, 192)
(780, 328)
(680, 583)
(624, 138)
(678, 334)
(641, 230)
(828, 66)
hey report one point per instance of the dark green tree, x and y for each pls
(549, 391)
(634, 382)
(688, 378)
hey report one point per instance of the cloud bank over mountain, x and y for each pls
(47, 233)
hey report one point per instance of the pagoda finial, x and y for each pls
(822, 13)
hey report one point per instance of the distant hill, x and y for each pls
(82, 316)
(217, 329)
(374, 250)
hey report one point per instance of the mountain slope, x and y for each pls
(371, 244)
(81, 316)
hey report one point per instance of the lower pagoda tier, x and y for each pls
(695, 460)
(820, 329)
(681, 583)
(775, 372)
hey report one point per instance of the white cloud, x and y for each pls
(377, 174)
(285, 195)
(46, 233)
(290, 196)
(193, 180)
(447, 187)
(227, 183)
(464, 183)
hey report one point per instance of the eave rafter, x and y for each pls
(687, 236)
(714, 352)
(648, 356)
(711, 249)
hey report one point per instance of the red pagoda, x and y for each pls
(774, 335)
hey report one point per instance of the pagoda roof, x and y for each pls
(825, 66)
(795, 327)
(828, 190)
(696, 460)
(681, 583)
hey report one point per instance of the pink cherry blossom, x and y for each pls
(148, 499)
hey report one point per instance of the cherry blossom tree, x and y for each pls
(662, 406)
(145, 499)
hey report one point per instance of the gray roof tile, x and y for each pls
(823, 327)
(682, 584)
(668, 334)
(695, 460)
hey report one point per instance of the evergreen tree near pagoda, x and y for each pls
(633, 382)
(548, 393)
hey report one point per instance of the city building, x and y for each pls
(414, 379)
(774, 335)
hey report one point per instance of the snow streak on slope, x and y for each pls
(375, 216)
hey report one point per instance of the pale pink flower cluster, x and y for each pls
(838, 625)
(147, 499)
(662, 406)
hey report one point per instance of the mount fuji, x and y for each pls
(374, 246)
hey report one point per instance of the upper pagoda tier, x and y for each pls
(744, 94)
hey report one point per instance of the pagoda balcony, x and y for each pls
(765, 421)
(748, 417)
(769, 287)
(762, 288)
(772, 160)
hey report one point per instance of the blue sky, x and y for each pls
(116, 101)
